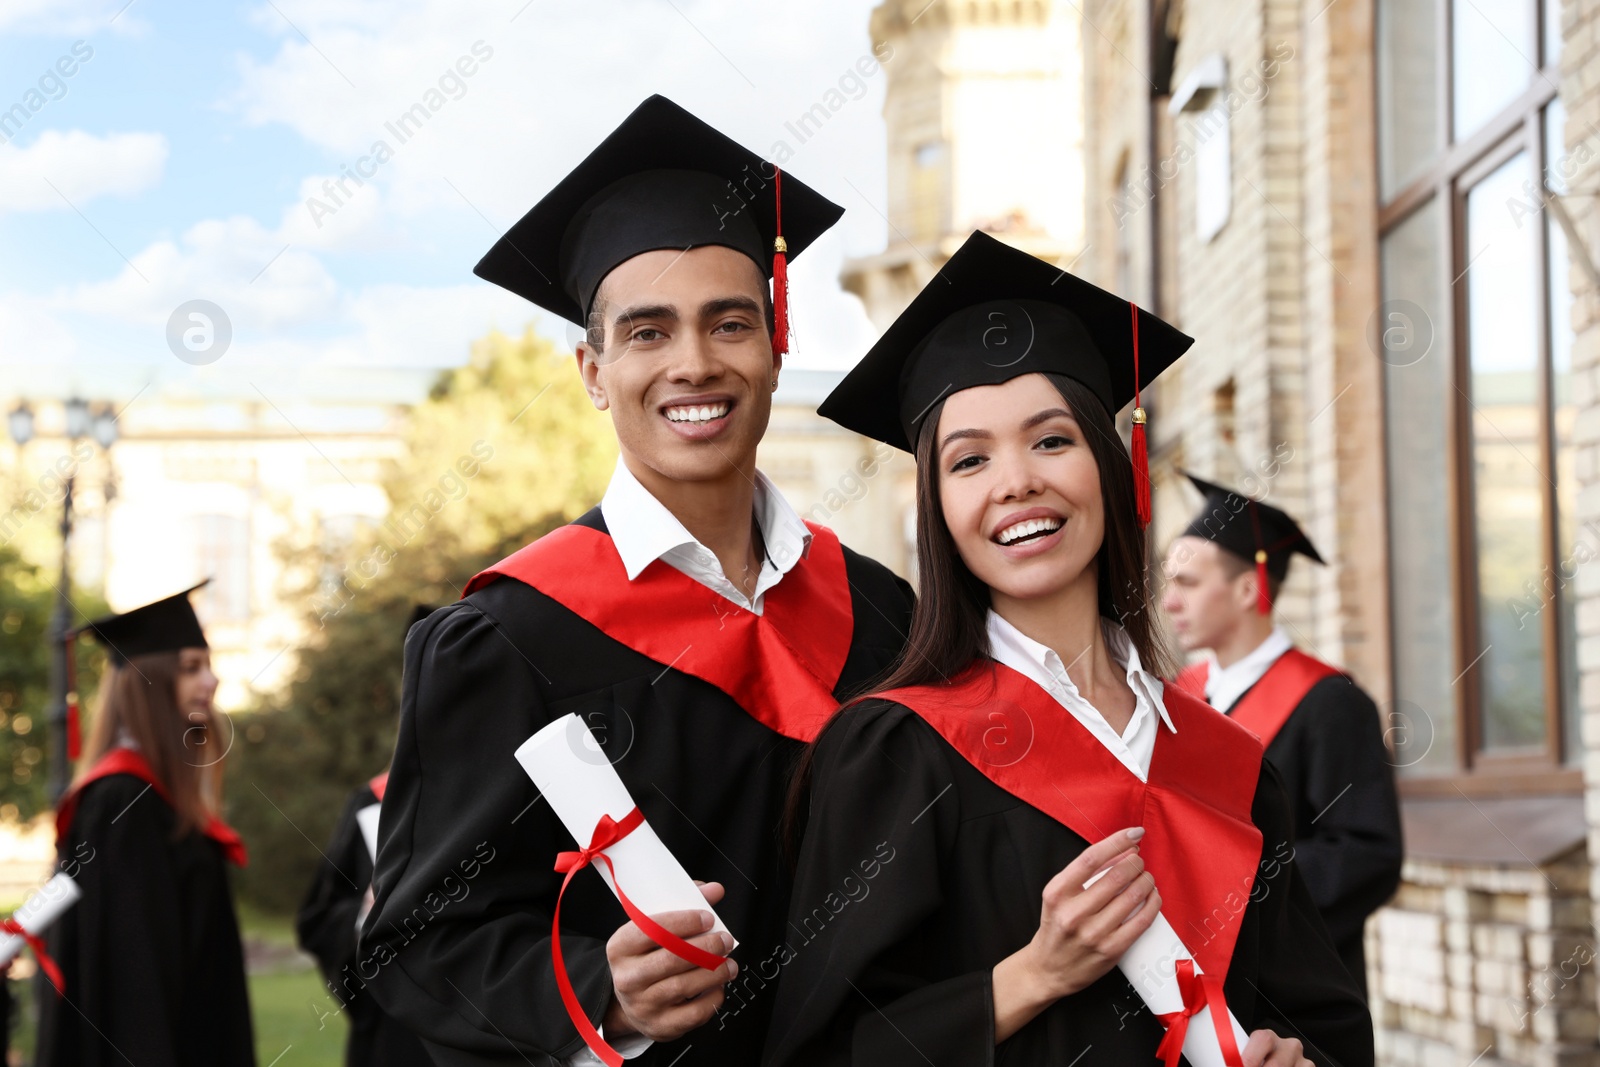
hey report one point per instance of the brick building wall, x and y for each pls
(1482, 961)
(1580, 91)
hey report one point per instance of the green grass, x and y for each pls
(289, 1006)
(288, 1030)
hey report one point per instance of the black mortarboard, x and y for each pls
(166, 625)
(993, 313)
(663, 179)
(1255, 532)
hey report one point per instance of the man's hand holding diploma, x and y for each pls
(656, 993)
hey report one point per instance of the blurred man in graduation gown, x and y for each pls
(699, 628)
(330, 917)
(1322, 731)
(1025, 743)
(151, 956)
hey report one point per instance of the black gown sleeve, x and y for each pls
(131, 910)
(1301, 988)
(325, 925)
(1350, 856)
(883, 814)
(458, 940)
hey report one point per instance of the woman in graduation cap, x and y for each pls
(1025, 743)
(153, 966)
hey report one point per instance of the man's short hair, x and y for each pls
(1234, 565)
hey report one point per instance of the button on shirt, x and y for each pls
(1225, 685)
(1040, 663)
(644, 531)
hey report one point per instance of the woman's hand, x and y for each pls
(1267, 1049)
(1082, 932)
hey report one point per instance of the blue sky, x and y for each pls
(178, 162)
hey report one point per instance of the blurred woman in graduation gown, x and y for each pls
(151, 953)
(1025, 742)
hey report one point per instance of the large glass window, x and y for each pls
(1494, 57)
(1508, 520)
(1408, 92)
(1478, 410)
(1563, 412)
(1414, 343)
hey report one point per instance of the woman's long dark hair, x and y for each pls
(949, 623)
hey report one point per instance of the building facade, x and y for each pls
(1378, 219)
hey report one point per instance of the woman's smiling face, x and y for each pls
(1020, 487)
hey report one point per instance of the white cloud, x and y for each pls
(554, 81)
(81, 167)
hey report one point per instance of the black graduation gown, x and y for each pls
(326, 927)
(918, 874)
(151, 954)
(1340, 781)
(458, 944)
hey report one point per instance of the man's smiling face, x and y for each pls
(686, 367)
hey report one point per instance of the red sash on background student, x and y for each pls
(124, 760)
(1267, 705)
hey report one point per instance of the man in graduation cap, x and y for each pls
(335, 905)
(699, 628)
(1322, 731)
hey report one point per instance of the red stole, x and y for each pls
(1199, 844)
(378, 785)
(1267, 705)
(123, 760)
(779, 666)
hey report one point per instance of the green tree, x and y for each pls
(503, 450)
(27, 601)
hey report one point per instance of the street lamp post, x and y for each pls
(60, 626)
(79, 424)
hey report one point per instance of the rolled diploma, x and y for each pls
(574, 775)
(1150, 965)
(44, 907)
(367, 819)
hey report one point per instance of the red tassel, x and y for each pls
(780, 272)
(1263, 590)
(1141, 468)
(1141, 450)
(74, 733)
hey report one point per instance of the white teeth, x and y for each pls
(1029, 526)
(703, 413)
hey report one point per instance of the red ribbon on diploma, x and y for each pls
(35, 942)
(608, 832)
(1199, 991)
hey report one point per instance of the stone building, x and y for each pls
(985, 131)
(1378, 218)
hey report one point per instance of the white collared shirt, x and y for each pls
(644, 531)
(1137, 743)
(1225, 685)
